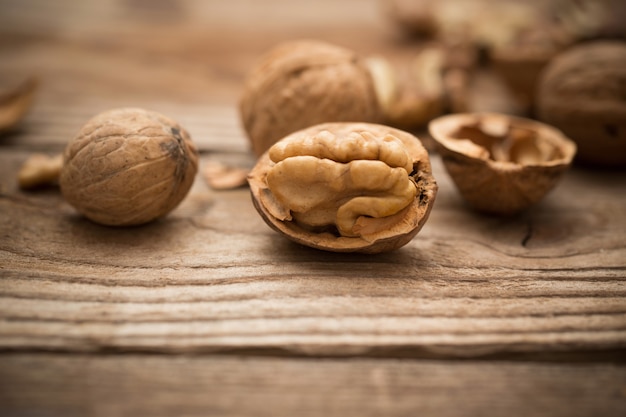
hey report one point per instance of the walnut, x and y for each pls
(583, 93)
(345, 187)
(301, 83)
(501, 164)
(589, 19)
(486, 22)
(128, 167)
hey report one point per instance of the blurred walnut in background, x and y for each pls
(497, 23)
(583, 93)
(301, 83)
(517, 38)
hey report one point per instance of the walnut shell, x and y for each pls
(128, 167)
(15, 103)
(501, 164)
(345, 187)
(412, 94)
(301, 83)
(583, 93)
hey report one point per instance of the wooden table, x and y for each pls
(209, 312)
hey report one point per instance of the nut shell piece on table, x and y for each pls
(501, 164)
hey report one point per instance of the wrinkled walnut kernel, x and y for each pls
(341, 180)
(345, 187)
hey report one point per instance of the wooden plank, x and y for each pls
(48, 384)
(298, 331)
(213, 277)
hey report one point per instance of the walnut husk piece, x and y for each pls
(301, 83)
(583, 93)
(345, 187)
(128, 167)
(501, 164)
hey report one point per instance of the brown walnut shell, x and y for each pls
(128, 167)
(410, 94)
(15, 103)
(583, 93)
(302, 83)
(501, 164)
(345, 187)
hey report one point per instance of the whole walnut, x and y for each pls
(127, 167)
(583, 93)
(302, 83)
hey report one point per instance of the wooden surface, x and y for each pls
(210, 312)
(245, 386)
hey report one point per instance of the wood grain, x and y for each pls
(213, 277)
(233, 386)
(210, 312)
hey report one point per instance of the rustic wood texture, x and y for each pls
(198, 386)
(195, 303)
(213, 277)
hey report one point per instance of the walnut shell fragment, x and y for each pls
(302, 83)
(40, 170)
(501, 164)
(128, 167)
(583, 93)
(409, 99)
(345, 187)
(15, 103)
(220, 176)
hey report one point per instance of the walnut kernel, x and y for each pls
(345, 187)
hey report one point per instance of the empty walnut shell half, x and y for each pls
(501, 164)
(301, 83)
(345, 187)
(128, 167)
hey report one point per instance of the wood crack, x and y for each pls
(528, 235)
